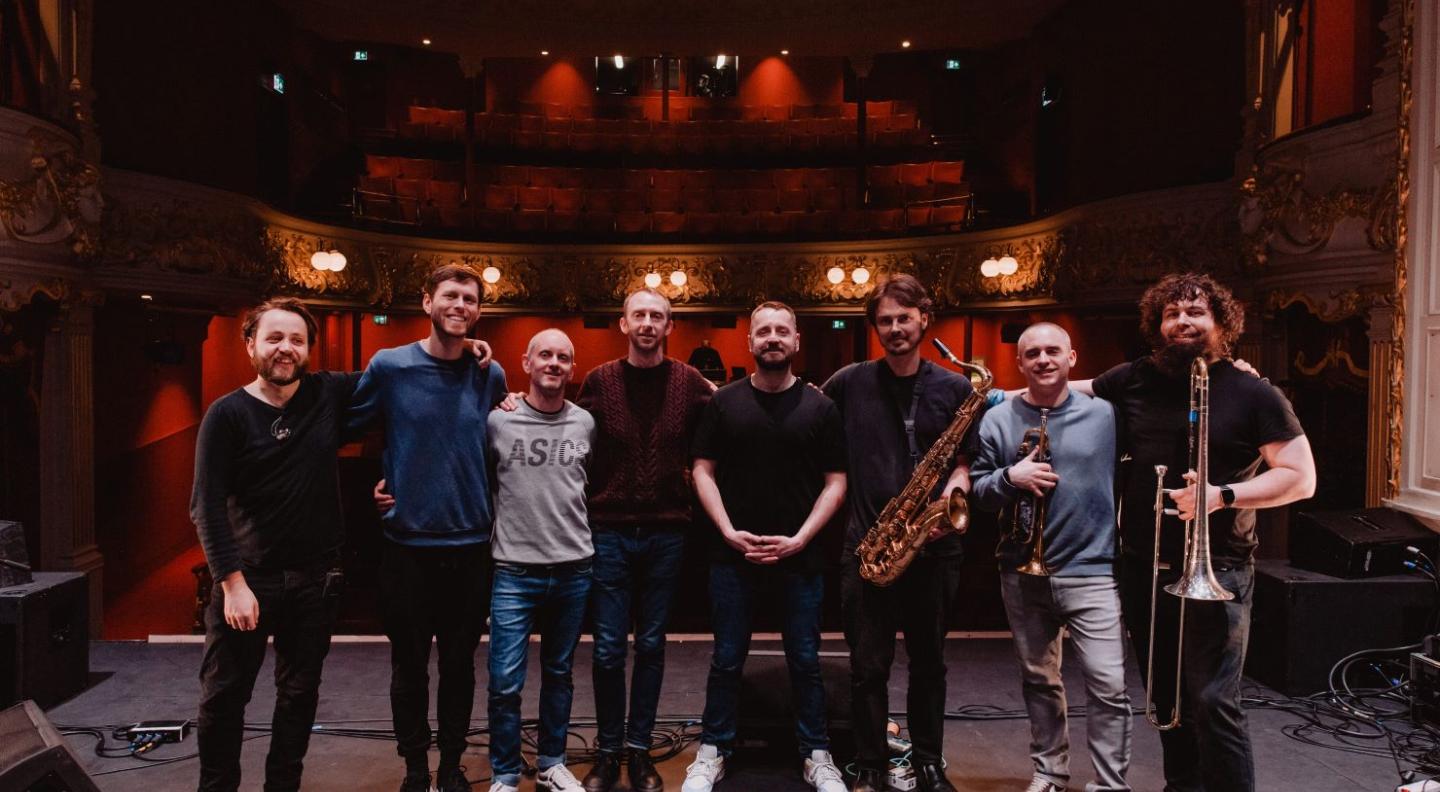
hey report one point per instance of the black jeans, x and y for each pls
(919, 605)
(437, 593)
(1210, 750)
(295, 610)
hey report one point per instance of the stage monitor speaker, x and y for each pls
(1302, 622)
(34, 757)
(45, 639)
(767, 716)
(1358, 543)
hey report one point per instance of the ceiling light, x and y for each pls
(678, 279)
(990, 268)
(652, 280)
(490, 274)
(835, 275)
(719, 61)
(905, 44)
(545, 53)
(861, 276)
(147, 297)
(784, 52)
(425, 41)
(332, 261)
(619, 62)
(1008, 265)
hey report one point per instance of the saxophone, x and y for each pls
(892, 542)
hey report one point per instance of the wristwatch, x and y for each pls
(1227, 495)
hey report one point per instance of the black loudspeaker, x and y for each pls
(1302, 622)
(1010, 332)
(766, 717)
(1358, 543)
(45, 639)
(34, 757)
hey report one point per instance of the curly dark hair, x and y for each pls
(1229, 312)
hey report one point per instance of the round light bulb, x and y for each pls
(990, 268)
(1008, 265)
(652, 280)
(490, 274)
(860, 275)
(320, 260)
(678, 278)
(337, 261)
(835, 275)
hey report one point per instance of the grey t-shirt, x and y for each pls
(539, 460)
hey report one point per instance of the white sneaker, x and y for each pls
(499, 787)
(708, 767)
(821, 773)
(558, 778)
(1043, 784)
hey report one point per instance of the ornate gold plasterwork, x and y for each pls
(1336, 355)
(1402, 203)
(1335, 306)
(1277, 214)
(16, 293)
(60, 202)
(179, 237)
(1135, 249)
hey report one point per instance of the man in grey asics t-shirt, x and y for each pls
(542, 552)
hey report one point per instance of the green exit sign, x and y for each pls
(380, 319)
(362, 55)
(839, 324)
(952, 64)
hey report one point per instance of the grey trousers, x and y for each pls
(1038, 607)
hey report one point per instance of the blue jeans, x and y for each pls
(1210, 750)
(734, 593)
(524, 597)
(636, 569)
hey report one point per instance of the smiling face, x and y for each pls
(280, 347)
(646, 321)
(454, 307)
(1045, 357)
(773, 338)
(1187, 328)
(898, 327)
(550, 362)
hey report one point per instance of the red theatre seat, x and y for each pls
(917, 216)
(445, 193)
(774, 223)
(948, 172)
(667, 222)
(948, 215)
(565, 221)
(499, 197)
(887, 219)
(534, 198)
(915, 173)
(632, 222)
(794, 200)
(702, 224)
(530, 220)
(853, 222)
(567, 199)
(664, 200)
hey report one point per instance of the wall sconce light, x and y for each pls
(332, 261)
(1008, 265)
(490, 274)
(719, 61)
(678, 279)
(619, 61)
(990, 268)
(835, 275)
(860, 275)
(652, 280)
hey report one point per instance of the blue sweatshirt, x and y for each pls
(1080, 518)
(434, 412)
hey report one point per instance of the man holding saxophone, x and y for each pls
(1184, 317)
(1046, 462)
(894, 410)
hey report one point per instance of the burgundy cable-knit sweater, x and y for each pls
(644, 418)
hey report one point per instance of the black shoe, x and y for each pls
(452, 780)
(416, 782)
(643, 777)
(869, 780)
(932, 778)
(604, 773)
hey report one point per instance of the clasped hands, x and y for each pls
(767, 549)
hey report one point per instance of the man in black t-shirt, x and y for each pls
(1183, 317)
(878, 400)
(266, 504)
(770, 472)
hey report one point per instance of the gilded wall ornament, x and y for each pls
(60, 202)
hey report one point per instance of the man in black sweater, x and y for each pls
(266, 504)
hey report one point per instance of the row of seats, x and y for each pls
(820, 223)
(689, 138)
(916, 174)
(687, 108)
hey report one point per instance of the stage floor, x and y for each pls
(139, 681)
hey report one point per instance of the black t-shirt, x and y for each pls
(873, 403)
(267, 492)
(771, 454)
(1153, 409)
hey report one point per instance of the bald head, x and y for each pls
(550, 362)
(550, 336)
(1042, 332)
(1045, 357)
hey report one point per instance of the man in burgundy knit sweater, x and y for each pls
(646, 407)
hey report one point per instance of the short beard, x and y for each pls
(438, 322)
(761, 362)
(266, 370)
(1175, 358)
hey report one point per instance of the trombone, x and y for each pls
(1197, 580)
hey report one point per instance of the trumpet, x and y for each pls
(1027, 524)
(1197, 579)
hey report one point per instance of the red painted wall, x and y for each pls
(777, 80)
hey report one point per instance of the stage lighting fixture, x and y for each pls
(835, 275)
(652, 280)
(678, 279)
(491, 274)
(719, 61)
(1008, 265)
(861, 276)
(990, 268)
(619, 61)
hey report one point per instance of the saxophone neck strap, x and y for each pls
(909, 418)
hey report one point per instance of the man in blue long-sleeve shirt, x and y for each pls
(1079, 544)
(433, 401)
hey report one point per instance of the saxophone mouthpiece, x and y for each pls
(945, 351)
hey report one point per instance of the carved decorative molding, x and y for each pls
(16, 293)
(1277, 214)
(1396, 433)
(180, 237)
(1334, 306)
(59, 203)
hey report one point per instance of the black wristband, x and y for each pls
(1227, 496)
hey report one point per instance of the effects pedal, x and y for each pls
(902, 779)
(1425, 691)
(155, 731)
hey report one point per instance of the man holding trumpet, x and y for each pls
(1185, 317)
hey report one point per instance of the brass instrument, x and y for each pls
(1197, 579)
(905, 522)
(1027, 524)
